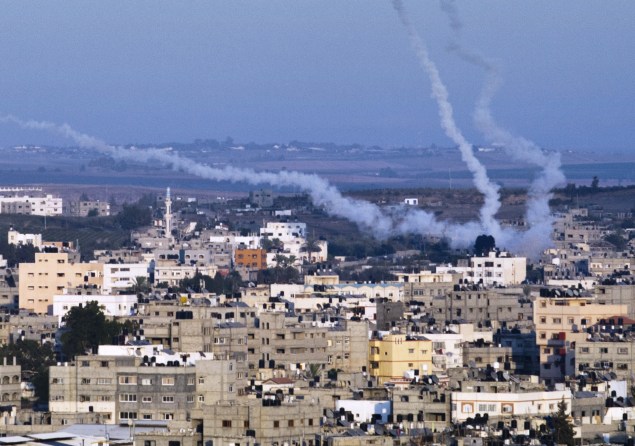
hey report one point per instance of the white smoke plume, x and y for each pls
(367, 216)
(440, 95)
(538, 214)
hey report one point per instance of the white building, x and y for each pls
(119, 306)
(447, 350)
(17, 239)
(121, 276)
(33, 205)
(363, 410)
(172, 274)
(498, 268)
(284, 231)
(467, 404)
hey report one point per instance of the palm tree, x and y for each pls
(280, 259)
(311, 246)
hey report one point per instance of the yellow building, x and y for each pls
(50, 274)
(560, 323)
(396, 355)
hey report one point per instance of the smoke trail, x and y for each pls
(367, 216)
(538, 214)
(440, 95)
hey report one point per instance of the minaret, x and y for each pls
(168, 214)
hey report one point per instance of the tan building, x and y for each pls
(561, 323)
(49, 275)
(395, 355)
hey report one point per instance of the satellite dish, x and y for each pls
(496, 365)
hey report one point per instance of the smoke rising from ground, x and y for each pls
(440, 95)
(538, 214)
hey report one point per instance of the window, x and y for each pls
(290, 423)
(201, 380)
(128, 415)
(147, 381)
(104, 380)
(201, 398)
(146, 399)
(190, 398)
(167, 381)
(190, 381)
(128, 397)
(128, 380)
(276, 423)
(85, 381)
(584, 349)
(227, 423)
(168, 398)
(622, 351)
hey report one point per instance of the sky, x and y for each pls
(319, 71)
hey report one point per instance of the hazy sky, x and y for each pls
(328, 70)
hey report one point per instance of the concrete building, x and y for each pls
(49, 275)
(10, 383)
(498, 268)
(560, 324)
(121, 277)
(29, 202)
(17, 239)
(122, 305)
(498, 405)
(253, 259)
(392, 356)
(84, 208)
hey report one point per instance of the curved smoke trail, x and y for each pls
(440, 95)
(538, 215)
(367, 216)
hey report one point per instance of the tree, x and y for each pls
(616, 240)
(34, 359)
(484, 244)
(563, 432)
(311, 246)
(87, 328)
(595, 182)
(133, 216)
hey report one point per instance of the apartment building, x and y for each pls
(254, 259)
(30, 204)
(268, 420)
(31, 327)
(120, 277)
(561, 323)
(16, 238)
(392, 356)
(488, 307)
(499, 405)
(497, 268)
(84, 208)
(425, 405)
(10, 382)
(139, 386)
(49, 275)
